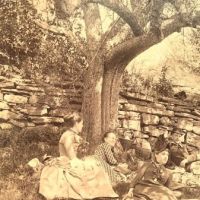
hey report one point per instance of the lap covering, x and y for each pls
(149, 190)
(82, 179)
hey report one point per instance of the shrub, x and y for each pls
(164, 86)
(36, 52)
(137, 83)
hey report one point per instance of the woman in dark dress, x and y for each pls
(153, 180)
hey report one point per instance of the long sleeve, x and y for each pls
(171, 184)
(109, 155)
(140, 174)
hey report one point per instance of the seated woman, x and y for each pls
(70, 177)
(153, 180)
(105, 155)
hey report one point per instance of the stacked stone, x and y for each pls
(153, 117)
(23, 103)
(188, 178)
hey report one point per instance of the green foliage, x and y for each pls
(37, 52)
(20, 146)
(17, 180)
(138, 83)
(19, 36)
(193, 62)
(164, 86)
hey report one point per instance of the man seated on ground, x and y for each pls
(179, 154)
(137, 149)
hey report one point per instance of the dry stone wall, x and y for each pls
(152, 117)
(25, 103)
(148, 118)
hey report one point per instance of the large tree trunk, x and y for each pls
(93, 79)
(110, 96)
(92, 104)
(113, 71)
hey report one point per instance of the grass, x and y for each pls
(17, 180)
(20, 182)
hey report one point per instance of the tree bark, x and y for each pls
(122, 11)
(94, 78)
(115, 65)
(92, 103)
(110, 96)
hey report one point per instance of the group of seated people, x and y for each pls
(98, 175)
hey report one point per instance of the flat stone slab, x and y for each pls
(35, 110)
(4, 105)
(7, 85)
(132, 124)
(144, 109)
(30, 88)
(137, 96)
(7, 115)
(46, 120)
(15, 98)
(150, 119)
(15, 91)
(6, 126)
(59, 112)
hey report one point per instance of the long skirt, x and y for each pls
(75, 179)
(114, 176)
(152, 190)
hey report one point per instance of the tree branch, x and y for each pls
(122, 11)
(126, 51)
(154, 17)
(53, 29)
(59, 31)
(111, 32)
(177, 22)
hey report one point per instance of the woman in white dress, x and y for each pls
(70, 177)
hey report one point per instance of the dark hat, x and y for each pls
(142, 153)
(161, 144)
(143, 149)
(126, 144)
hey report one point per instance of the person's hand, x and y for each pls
(129, 195)
(76, 173)
(62, 162)
(122, 168)
(178, 194)
(183, 163)
(123, 165)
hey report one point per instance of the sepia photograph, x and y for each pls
(100, 100)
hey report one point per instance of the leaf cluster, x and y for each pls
(37, 52)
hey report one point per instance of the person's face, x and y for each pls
(178, 137)
(111, 139)
(127, 135)
(162, 157)
(79, 126)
